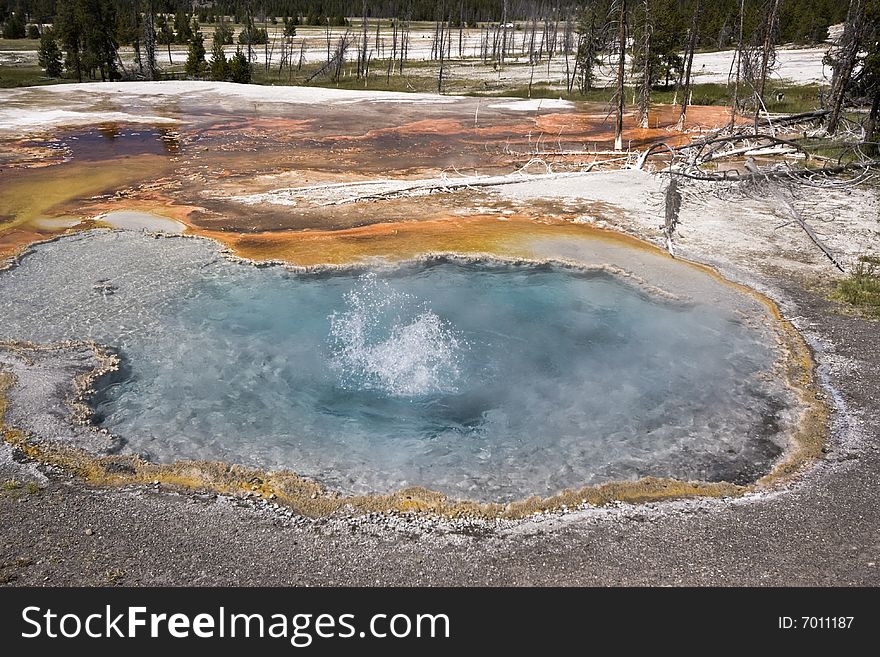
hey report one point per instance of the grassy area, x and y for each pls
(862, 288)
(795, 98)
(15, 488)
(19, 44)
(25, 76)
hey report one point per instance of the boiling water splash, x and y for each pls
(388, 341)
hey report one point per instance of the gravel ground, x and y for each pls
(823, 530)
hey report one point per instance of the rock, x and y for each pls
(89, 531)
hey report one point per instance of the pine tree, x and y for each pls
(182, 28)
(69, 31)
(14, 27)
(218, 65)
(239, 68)
(49, 54)
(223, 32)
(590, 28)
(289, 27)
(195, 60)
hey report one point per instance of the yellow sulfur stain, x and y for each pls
(30, 195)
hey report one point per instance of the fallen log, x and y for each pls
(793, 211)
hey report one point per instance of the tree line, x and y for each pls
(799, 21)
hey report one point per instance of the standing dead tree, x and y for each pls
(394, 29)
(362, 51)
(768, 50)
(642, 61)
(758, 58)
(404, 39)
(737, 61)
(844, 59)
(688, 65)
(621, 72)
(442, 45)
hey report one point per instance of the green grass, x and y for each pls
(861, 288)
(25, 76)
(19, 44)
(797, 98)
(15, 488)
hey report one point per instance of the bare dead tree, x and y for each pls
(734, 105)
(404, 39)
(503, 31)
(380, 45)
(566, 50)
(362, 52)
(844, 58)
(328, 33)
(770, 29)
(460, 28)
(442, 37)
(621, 72)
(393, 58)
(644, 94)
(688, 65)
(267, 54)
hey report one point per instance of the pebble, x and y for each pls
(89, 531)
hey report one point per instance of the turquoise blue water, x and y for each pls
(480, 380)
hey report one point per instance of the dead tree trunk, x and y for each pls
(266, 52)
(673, 209)
(734, 105)
(621, 71)
(645, 88)
(766, 52)
(393, 57)
(460, 29)
(503, 31)
(793, 212)
(845, 61)
(443, 36)
(689, 62)
(362, 52)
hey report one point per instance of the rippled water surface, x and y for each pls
(485, 381)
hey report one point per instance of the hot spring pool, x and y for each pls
(481, 380)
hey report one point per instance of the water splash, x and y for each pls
(386, 340)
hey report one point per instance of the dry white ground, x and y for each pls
(310, 46)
